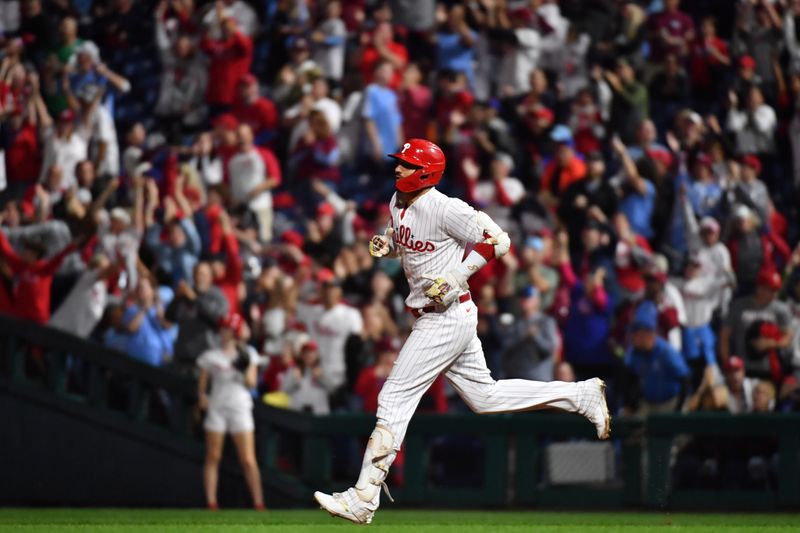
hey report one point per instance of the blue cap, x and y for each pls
(561, 134)
(645, 317)
(535, 242)
(529, 292)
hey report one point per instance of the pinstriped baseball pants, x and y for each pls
(448, 342)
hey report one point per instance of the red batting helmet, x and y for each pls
(427, 158)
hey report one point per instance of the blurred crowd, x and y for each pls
(169, 163)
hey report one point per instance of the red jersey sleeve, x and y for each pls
(271, 163)
(10, 255)
(233, 262)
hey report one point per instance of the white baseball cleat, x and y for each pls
(594, 407)
(345, 505)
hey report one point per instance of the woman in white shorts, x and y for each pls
(229, 408)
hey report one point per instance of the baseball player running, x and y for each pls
(430, 232)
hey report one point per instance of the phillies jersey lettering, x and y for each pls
(405, 238)
(442, 229)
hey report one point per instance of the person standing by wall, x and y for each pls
(231, 370)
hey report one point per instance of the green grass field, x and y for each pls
(191, 521)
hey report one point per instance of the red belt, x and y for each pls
(437, 308)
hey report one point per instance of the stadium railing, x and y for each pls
(531, 459)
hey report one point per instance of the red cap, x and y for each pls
(248, 79)
(233, 321)
(734, 362)
(325, 209)
(753, 162)
(291, 236)
(542, 113)
(464, 99)
(66, 116)
(769, 278)
(747, 62)
(661, 156)
(309, 345)
(226, 121)
(325, 275)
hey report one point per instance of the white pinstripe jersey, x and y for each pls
(432, 235)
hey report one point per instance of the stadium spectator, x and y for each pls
(237, 10)
(763, 397)
(660, 370)
(759, 328)
(333, 325)
(254, 172)
(415, 102)
(753, 124)
(21, 144)
(565, 169)
(231, 371)
(371, 379)
(303, 382)
(66, 144)
(669, 91)
(455, 44)
(629, 106)
(751, 250)
(68, 40)
(758, 35)
(671, 31)
(710, 55)
(31, 277)
(740, 387)
(639, 196)
(84, 306)
(298, 116)
(383, 121)
(315, 157)
(330, 39)
(177, 251)
(228, 271)
(531, 341)
(196, 310)
(184, 78)
(256, 110)
(587, 328)
(150, 339)
(230, 55)
(85, 70)
(383, 49)
(522, 49)
(701, 295)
